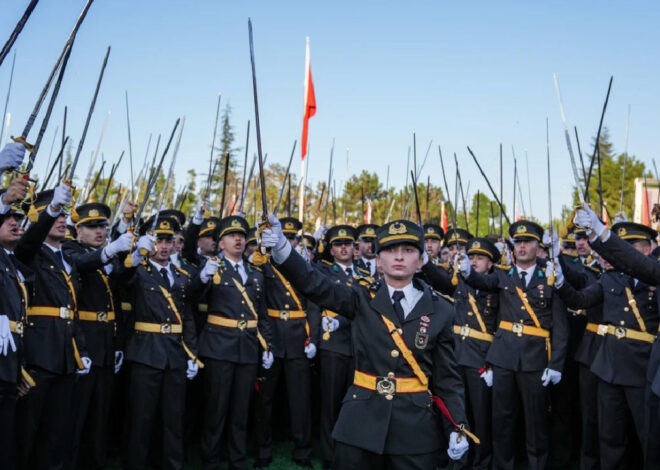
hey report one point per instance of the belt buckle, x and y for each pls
(517, 328)
(602, 330)
(65, 313)
(465, 330)
(284, 315)
(386, 386)
(19, 328)
(166, 328)
(242, 324)
(102, 316)
(620, 332)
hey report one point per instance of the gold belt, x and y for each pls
(286, 315)
(465, 331)
(229, 323)
(521, 329)
(388, 385)
(54, 312)
(96, 316)
(16, 327)
(162, 328)
(620, 332)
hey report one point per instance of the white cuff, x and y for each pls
(281, 255)
(104, 257)
(4, 209)
(121, 226)
(53, 214)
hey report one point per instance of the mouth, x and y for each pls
(398, 267)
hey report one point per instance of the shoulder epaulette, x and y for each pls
(326, 262)
(597, 270)
(503, 267)
(446, 266)
(182, 271)
(438, 295)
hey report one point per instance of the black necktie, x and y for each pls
(349, 272)
(368, 265)
(396, 297)
(163, 272)
(14, 260)
(523, 278)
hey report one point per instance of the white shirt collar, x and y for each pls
(159, 266)
(529, 271)
(52, 248)
(411, 297)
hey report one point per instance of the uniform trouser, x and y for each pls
(297, 375)
(43, 421)
(153, 391)
(510, 391)
(617, 404)
(227, 390)
(348, 457)
(7, 412)
(589, 451)
(90, 410)
(478, 407)
(652, 413)
(336, 376)
(564, 409)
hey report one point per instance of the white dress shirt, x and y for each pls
(412, 296)
(58, 252)
(158, 267)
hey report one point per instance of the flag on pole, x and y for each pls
(606, 217)
(309, 106)
(367, 213)
(444, 221)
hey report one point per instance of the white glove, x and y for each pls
(426, 257)
(273, 237)
(587, 218)
(329, 324)
(549, 376)
(209, 269)
(87, 363)
(61, 197)
(198, 216)
(146, 242)
(320, 232)
(123, 243)
(11, 156)
(310, 351)
(620, 217)
(551, 240)
(193, 368)
(559, 273)
(458, 445)
(464, 264)
(119, 360)
(487, 375)
(6, 338)
(267, 359)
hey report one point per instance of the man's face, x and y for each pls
(367, 248)
(233, 245)
(207, 245)
(93, 236)
(10, 232)
(582, 246)
(249, 249)
(162, 250)
(525, 250)
(643, 246)
(444, 254)
(454, 249)
(480, 263)
(432, 247)
(58, 230)
(400, 262)
(342, 251)
(178, 243)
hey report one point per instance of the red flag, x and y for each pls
(309, 107)
(606, 217)
(444, 221)
(367, 214)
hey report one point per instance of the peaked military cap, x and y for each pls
(209, 227)
(15, 210)
(367, 231)
(166, 227)
(232, 224)
(310, 241)
(178, 215)
(483, 246)
(632, 232)
(251, 236)
(93, 214)
(433, 231)
(397, 232)
(457, 235)
(526, 230)
(340, 233)
(290, 225)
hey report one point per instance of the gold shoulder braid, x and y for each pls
(172, 304)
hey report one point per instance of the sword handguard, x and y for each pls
(264, 225)
(551, 277)
(454, 277)
(21, 140)
(128, 261)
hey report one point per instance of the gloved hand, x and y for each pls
(551, 240)
(487, 375)
(121, 244)
(310, 351)
(555, 267)
(587, 218)
(329, 324)
(209, 269)
(87, 363)
(273, 237)
(6, 338)
(198, 216)
(146, 242)
(550, 375)
(620, 217)
(61, 197)
(119, 360)
(11, 156)
(267, 359)
(463, 264)
(320, 232)
(458, 445)
(193, 368)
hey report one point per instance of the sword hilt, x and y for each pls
(21, 140)
(128, 261)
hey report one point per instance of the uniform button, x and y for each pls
(242, 301)
(400, 331)
(522, 308)
(390, 375)
(242, 315)
(626, 309)
(354, 396)
(288, 294)
(286, 306)
(622, 322)
(389, 397)
(394, 353)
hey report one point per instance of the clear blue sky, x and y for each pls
(460, 73)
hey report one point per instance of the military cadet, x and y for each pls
(474, 325)
(335, 350)
(250, 242)
(162, 348)
(456, 240)
(529, 347)
(403, 349)
(125, 220)
(310, 243)
(201, 240)
(433, 235)
(96, 315)
(179, 238)
(13, 304)
(237, 325)
(295, 323)
(647, 269)
(54, 344)
(366, 264)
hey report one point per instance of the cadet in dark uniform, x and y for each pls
(475, 323)
(433, 235)
(237, 325)
(366, 264)
(529, 348)
(96, 314)
(250, 243)
(336, 355)
(403, 345)
(201, 240)
(13, 304)
(162, 348)
(54, 343)
(295, 324)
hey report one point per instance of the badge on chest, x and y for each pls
(422, 336)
